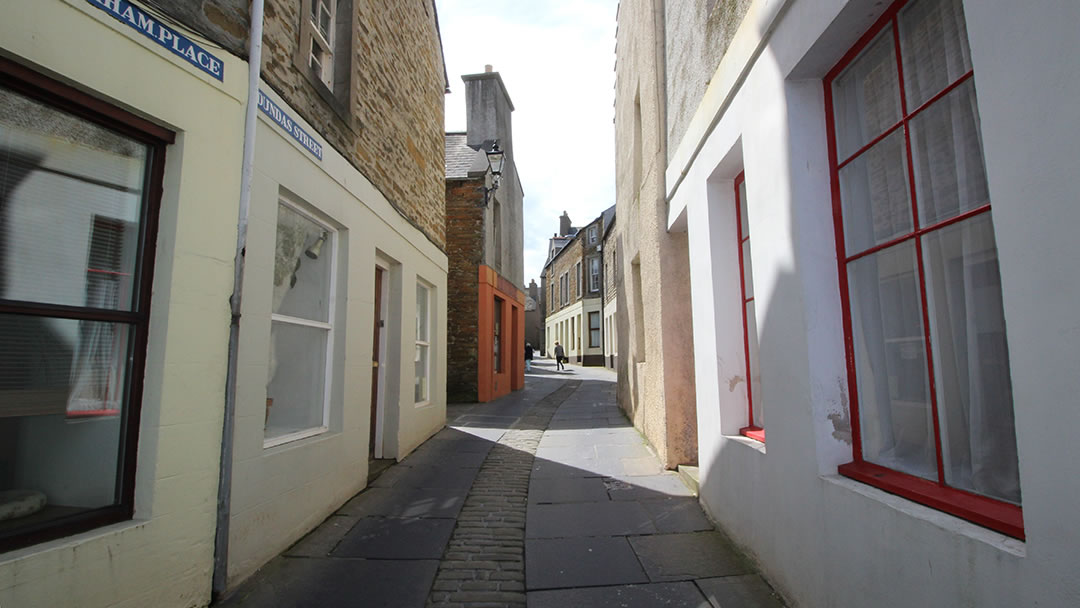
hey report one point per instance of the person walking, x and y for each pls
(528, 356)
(559, 355)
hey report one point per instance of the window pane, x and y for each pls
(890, 361)
(744, 220)
(324, 22)
(934, 46)
(971, 359)
(72, 202)
(874, 195)
(421, 313)
(420, 390)
(295, 397)
(866, 96)
(748, 274)
(946, 150)
(755, 371)
(62, 385)
(302, 264)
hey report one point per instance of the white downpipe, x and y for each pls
(224, 502)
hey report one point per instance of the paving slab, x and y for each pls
(446, 458)
(396, 538)
(673, 515)
(427, 477)
(587, 519)
(746, 591)
(322, 540)
(300, 582)
(667, 595)
(580, 562)
(567, 490)
(545, 469)
(406, 502)
(645, 487)
(673, 557)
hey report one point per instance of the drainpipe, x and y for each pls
(224, 502)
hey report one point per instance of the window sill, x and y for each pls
(995, 515)
(291, 437)
(753, 432)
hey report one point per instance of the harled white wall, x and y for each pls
(163, 557)
(821, 539)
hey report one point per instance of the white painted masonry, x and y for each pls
(821, 539)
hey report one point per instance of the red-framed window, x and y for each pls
(925, 340)
(755, 428)
(80, 190)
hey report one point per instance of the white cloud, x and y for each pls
(557, 59)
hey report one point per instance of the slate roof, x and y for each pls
(460, 159)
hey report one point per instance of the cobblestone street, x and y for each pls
(547, 498)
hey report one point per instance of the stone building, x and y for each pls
(878, 200)
(486, 315)
(656, 369)
(534, 317)
(177, 444)
(573, 279)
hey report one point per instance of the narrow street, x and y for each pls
(547, 497)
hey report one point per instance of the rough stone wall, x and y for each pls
(611, 279)
(394, 132)
(464, 249)
(655, 363)
(698, 34)
(566, 261)
(225, 22)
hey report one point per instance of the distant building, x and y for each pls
(612, 280)
(534, 317)
(486, 316)
(573, 279)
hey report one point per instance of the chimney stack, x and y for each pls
(564, 224)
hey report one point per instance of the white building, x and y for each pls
(880, 206)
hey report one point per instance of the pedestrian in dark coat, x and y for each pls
(560, 354)
(528, 356)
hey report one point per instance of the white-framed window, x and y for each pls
(594, 330)
(422, 383)
(593, 234)
(321, 39)
(564, 289)
(301, 327)
(579, 277)
(594, 274)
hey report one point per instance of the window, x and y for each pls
(594, 274)
(551, 294)
(321, 27)
(79, 197)
(422, 392)
(594, 330)
(755, 428)
(578, 277)
(301, 327)
(564, 289)
(928, 365)
(592, 235)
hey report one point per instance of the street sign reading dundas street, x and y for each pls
(177, 43)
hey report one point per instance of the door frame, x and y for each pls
(380, 376)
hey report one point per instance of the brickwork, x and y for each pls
(465, 250)
(484, 563)
(390, 126)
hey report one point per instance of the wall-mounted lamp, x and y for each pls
(316, 247)
(495, 158)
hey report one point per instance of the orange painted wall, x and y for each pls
(491, 385)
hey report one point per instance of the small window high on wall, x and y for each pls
(80, 184)
(928, 362)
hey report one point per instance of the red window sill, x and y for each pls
(753, 432)
(987, 512)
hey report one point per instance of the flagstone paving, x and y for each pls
(545, 498)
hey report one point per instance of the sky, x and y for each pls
(557, 60)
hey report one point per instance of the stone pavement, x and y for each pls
(544, 498)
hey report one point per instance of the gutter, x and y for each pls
(224, 501)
